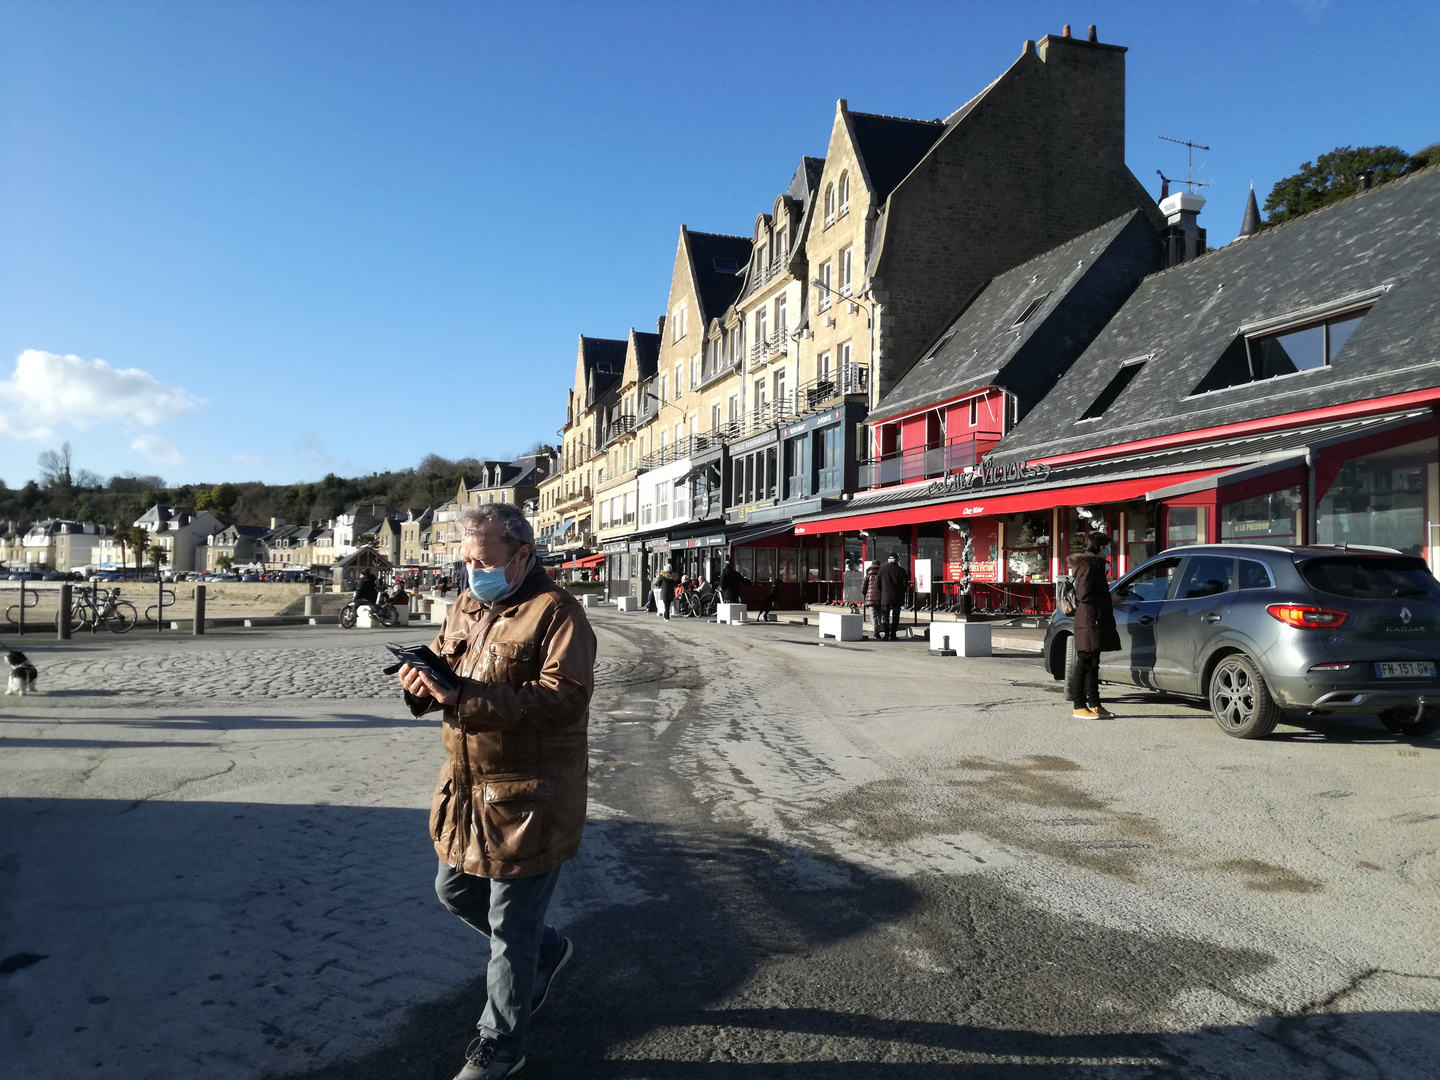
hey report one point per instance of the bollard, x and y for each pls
(159, 602)
(312, 605)
(199, 627)
(62, 621)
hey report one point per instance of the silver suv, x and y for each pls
(1256, 629)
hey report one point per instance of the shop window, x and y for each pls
(1265, 519)
(1379, 499)
(1141, 528)
(1027, 547)
(1184, 525)
(789, 564)
(764, 564)
(1256, 357)
(811, 557)
(1084, 521)
(745, 562)
(1113, 390)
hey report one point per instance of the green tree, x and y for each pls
(219, 500)
(1336, 175)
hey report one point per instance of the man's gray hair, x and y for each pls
(516, 529)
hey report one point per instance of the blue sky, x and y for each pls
(312, 237)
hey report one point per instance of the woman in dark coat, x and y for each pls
(1094, 625)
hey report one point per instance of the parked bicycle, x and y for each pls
(383, 609)
(87, 612)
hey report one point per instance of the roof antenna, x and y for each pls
(1190, 147)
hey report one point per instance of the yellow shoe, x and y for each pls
(1085, 714)
(1103, 713)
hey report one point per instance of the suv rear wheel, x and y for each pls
(1403, 722)
(1239, 699)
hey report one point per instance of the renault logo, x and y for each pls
(1405, 615)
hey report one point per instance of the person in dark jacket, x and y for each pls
(870, 590)
(894, 584)
(1094, 625)
(730, 582)
(666, 583)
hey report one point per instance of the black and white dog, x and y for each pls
(22, 673)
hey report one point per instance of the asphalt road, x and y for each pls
(802, 862)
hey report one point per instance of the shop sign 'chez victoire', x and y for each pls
(987, 476)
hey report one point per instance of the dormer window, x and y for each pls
(1113, 389)
(1289, 350)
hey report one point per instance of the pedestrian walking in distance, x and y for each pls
(894, 584)
(1094, 625)
(871, 591)
(510, 803)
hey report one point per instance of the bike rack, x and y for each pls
(22, 607)
(156, 610)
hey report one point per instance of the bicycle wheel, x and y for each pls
(76, 619)
(388, 615)
(120, 618)
(347, 617)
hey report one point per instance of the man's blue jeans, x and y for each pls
(511, 913)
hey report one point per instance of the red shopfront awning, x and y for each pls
(981, 506)
(589, 562)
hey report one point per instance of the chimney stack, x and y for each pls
(1365, 179)
(1183, 238)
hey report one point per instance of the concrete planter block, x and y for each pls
(730, 613)
(960, 639)
(627, 603)
(841, 626)
(365, 617)
(590, 599)
(402, 614)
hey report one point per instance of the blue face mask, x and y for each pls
(488, 586)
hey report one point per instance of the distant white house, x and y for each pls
(177, 530)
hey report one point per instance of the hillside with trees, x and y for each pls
(63, 491)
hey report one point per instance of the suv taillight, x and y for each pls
(1307, 617)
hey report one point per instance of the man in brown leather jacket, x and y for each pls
(509, 807)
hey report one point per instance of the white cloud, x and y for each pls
(158, 449)
(46, 391)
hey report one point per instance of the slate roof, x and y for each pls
(717, 288)
(1382, 242)
(890, 146)
(647, 354)
(604, 362)
(1082, 284)
(806, 178)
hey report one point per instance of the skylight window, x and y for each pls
(1286, 351)
(1030, 309)
(1113, 390)
(726, 266)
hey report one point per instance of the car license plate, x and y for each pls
(1405, 669)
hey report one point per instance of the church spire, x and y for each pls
(1251, 225)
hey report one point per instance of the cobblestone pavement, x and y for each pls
(805, 863)
(347, 665)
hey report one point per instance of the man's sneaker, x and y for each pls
(484, 1061)
(1103, 713)
(1085, 714)
(545, 979)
